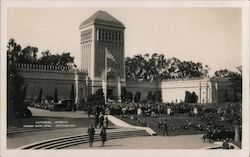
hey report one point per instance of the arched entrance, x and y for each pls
(112, 85)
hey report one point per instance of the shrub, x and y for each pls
(137, 96)
(157, 96)
(97, 98)
(124, 94)
(187, 97)
(129, 96)
(150, 96)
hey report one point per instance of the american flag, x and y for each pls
(110, 56)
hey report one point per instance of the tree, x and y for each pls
(149, 96)
(72, 92)
(157, 67)
(188, 96)
(157, 96)
(19, 55)
(194, 98)
(235, 78)
(223, 73)
(55, 96)
(64, 59)
(234, 116)
(39, 99)
(17, 108)
(226, 96)
(28, 55)
(236, 84)
(137, 96)
(129, 96)
(97, 98)
(123, 94)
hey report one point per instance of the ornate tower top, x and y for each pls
(103, 18)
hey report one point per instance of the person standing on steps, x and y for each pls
(91, 133)
(103, 135)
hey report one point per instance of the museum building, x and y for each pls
(103, 67)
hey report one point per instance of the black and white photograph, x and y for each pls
(102, 79)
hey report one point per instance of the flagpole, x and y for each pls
(105, 77)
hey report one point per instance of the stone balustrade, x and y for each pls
(44, 67)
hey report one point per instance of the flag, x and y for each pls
(110, 56)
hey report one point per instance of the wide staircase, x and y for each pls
(14, 129)
(63, 142)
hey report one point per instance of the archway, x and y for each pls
(111, 85)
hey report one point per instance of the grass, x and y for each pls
(181, 124)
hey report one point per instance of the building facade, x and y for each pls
(102, 53)
(207, 90)
(102, 60)
(51, 78)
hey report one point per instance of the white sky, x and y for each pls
(208, 35)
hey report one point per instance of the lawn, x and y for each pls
(179, 124)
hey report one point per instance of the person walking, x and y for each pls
(166, 128)
(106, 122)
(96, 119)
(91, 133)
(103, 135)
(101, 120)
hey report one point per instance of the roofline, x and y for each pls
(101, 22)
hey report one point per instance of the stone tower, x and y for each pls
(102, 43)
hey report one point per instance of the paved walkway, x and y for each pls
(151, 142)
(64, 114)
(80, 119)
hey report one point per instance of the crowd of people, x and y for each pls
(215, 120)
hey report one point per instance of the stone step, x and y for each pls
(63, 142)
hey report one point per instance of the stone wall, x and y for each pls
(50, 78)
(207, 90)
(143, 87)
(174, 90)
